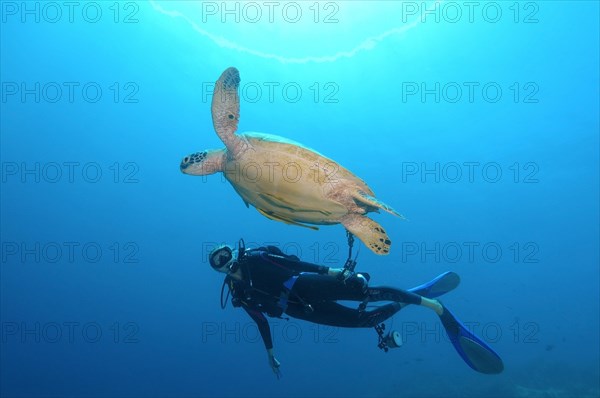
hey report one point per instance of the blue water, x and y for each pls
(105, 286)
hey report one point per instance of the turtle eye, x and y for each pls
(230, 117)
(186, 159)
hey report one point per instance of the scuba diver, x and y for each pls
(267, 281)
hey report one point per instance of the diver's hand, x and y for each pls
(274, 364)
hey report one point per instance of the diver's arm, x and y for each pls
(263, 326)
(265, 332)
(318, 269)
(301, 266)
(276, 258)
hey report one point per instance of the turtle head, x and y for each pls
(203, 163)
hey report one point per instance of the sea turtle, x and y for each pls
(284, 180)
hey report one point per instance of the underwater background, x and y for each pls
(478, 121)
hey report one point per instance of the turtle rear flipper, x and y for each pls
(374, 202)
(369, 232)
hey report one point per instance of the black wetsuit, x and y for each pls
(274, 283)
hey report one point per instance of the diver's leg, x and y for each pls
(375, 317)
(318, 287)
(333, 314)
(403, 297)
(325, 313)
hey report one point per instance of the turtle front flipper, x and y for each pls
(369, 232)
(374, 202)
(285, 220)
(225, 109)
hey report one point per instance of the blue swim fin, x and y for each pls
(474, 351)
(442, 284)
